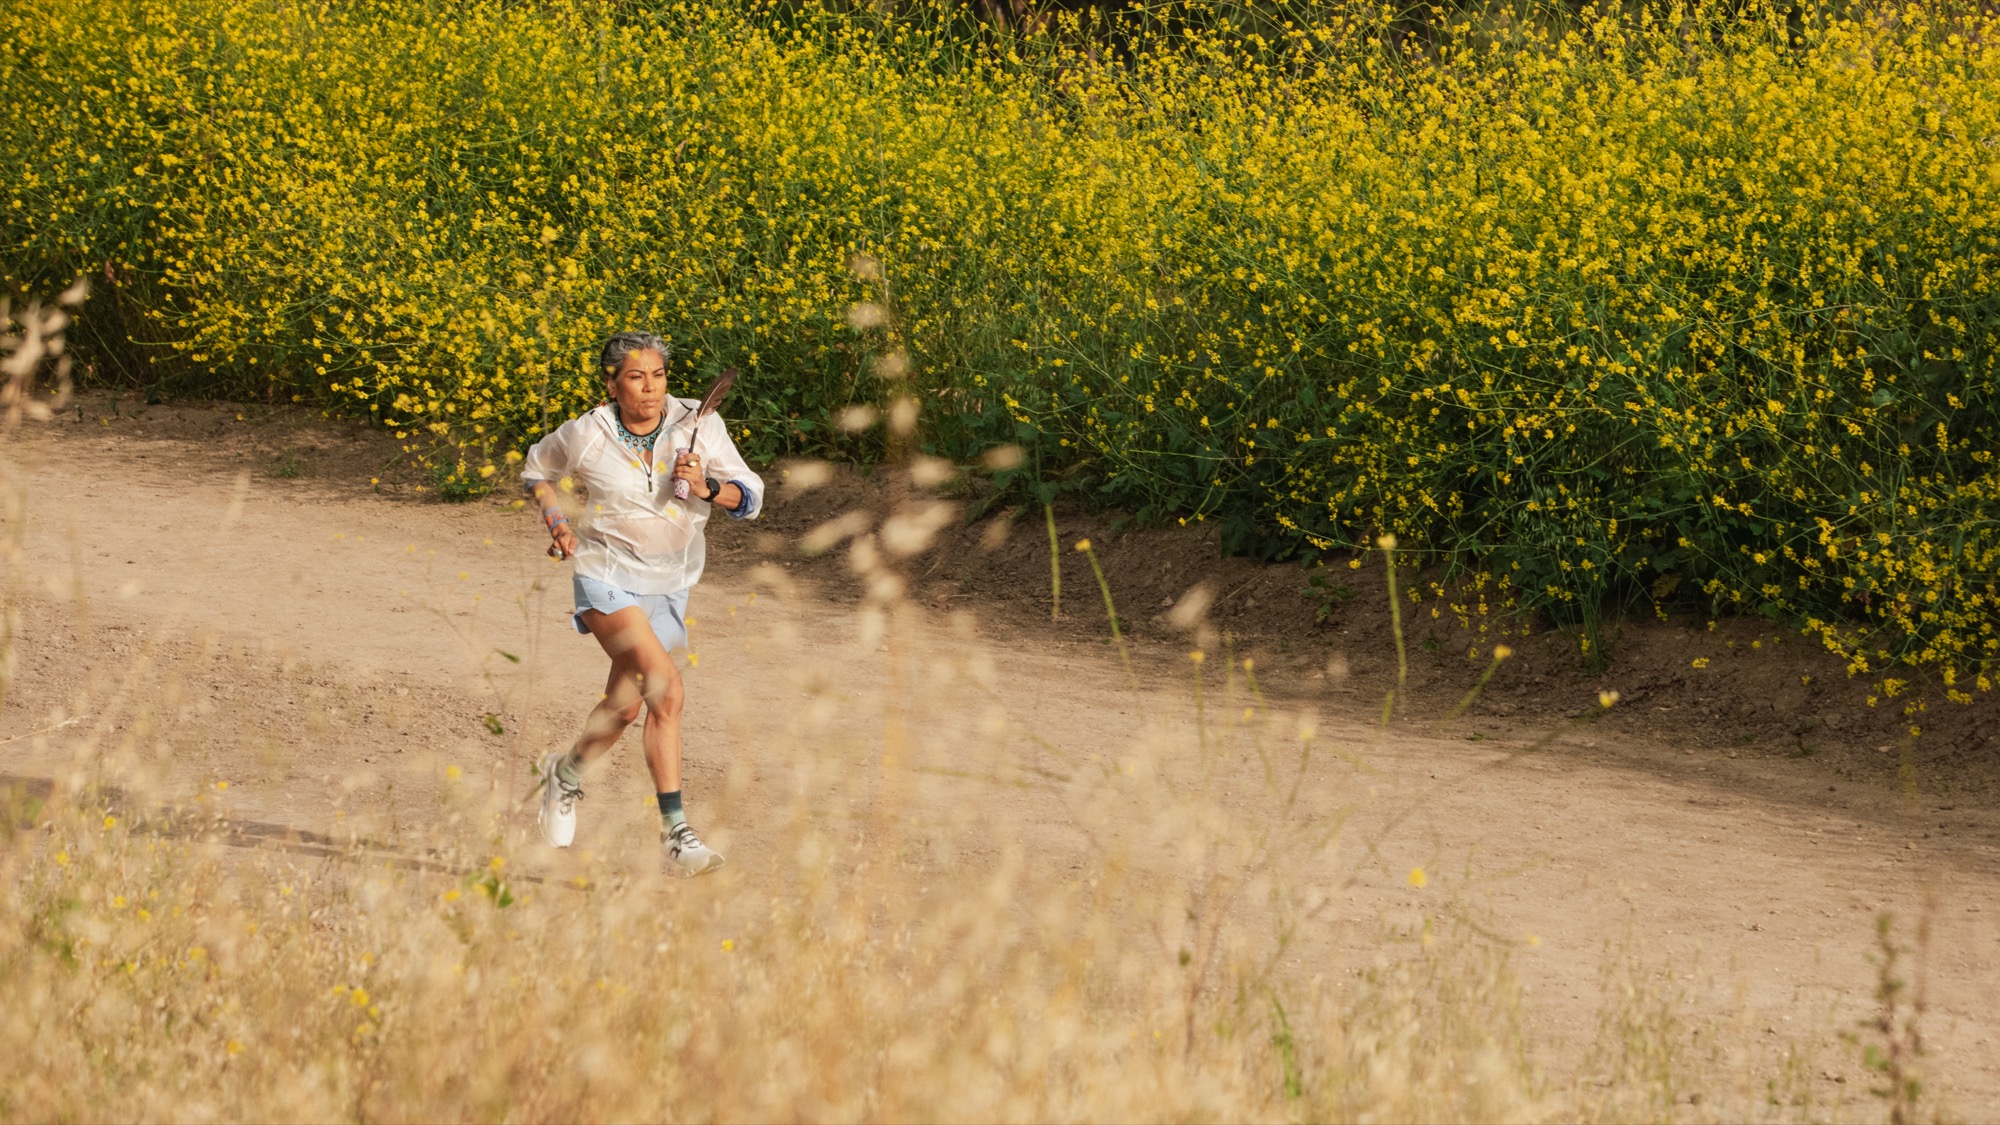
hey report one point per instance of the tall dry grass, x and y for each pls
(876, 969)
(874, 955)
(887, 945)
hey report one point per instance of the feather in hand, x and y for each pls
(709, 403)
(713, 398)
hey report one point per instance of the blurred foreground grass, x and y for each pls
(872, 956)
(185, 963)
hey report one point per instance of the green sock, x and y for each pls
(569, 769)
(671, 815)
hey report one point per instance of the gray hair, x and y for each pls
(621, 346)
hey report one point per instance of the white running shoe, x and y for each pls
(687, 856)
(558, 813)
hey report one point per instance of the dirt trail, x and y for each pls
(388, 631)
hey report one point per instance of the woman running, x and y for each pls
(637, 554)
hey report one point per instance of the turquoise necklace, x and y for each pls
(637, 443)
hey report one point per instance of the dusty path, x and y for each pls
(382, 634)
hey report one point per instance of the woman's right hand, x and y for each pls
(562, 541)
(563, 545)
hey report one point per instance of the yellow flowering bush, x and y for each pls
(1619, 309)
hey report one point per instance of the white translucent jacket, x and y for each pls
(631, 532)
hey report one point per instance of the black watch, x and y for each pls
(714, 489)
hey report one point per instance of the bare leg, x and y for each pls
(663, 734)
(641, 674)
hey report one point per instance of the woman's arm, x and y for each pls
(697, 473)
(562, 539)
(742, 491)
(552, 459)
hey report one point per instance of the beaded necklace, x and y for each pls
(637, 443)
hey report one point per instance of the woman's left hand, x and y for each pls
(688, 467)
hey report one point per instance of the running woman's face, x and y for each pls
(639, 387)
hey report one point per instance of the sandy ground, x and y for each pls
(324, 650)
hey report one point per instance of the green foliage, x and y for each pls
(1325, 594)
(1702, 303)
(454, 483)
(490, 884)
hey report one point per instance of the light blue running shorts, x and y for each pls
(667, 612)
